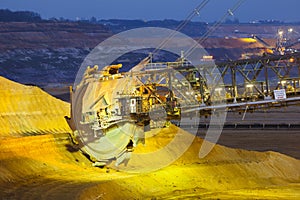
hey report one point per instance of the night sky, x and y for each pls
(283, 10)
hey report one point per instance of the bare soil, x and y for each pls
(43, 164)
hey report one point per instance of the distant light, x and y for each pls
(249, 85)
(280, 32)
(208, 57)
(290, 30)
(292, 60)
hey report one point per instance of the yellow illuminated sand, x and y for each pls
(29, 110)
(248, 40)
(47, 167)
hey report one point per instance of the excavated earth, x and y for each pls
(38, 161)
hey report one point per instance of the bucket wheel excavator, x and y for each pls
(111, 111)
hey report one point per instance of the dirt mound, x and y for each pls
(48, 167)
(28, 110)
(245, 43)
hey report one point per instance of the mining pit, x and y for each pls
(39, 161)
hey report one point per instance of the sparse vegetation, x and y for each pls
(19, 16)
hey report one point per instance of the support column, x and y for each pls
(234, 88)
(267, 96)
(294, 85)
(202, 82)
(170, 81)
(298, 66)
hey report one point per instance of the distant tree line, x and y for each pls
(118, 25)
(19, 16)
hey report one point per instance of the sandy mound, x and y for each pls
(47, 167)
(27, 110)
